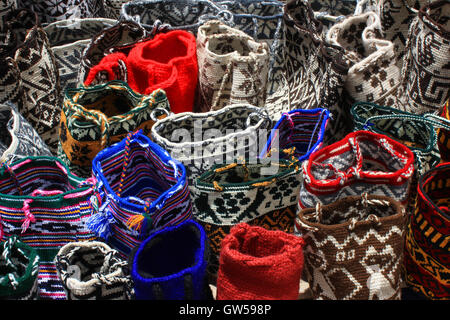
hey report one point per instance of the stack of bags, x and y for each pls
(229, 150)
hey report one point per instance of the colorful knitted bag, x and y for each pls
(315, 70)
(444, 135)
(373, 75)
(259, 264)
(171, 264)
(299, 131)
(96, 117)
(200, 140)
(19, 264)
(51, 11)
(47, 206)
(361, 162)
(427, 262)
(168, 61)
(68, 39)
(119, 36)
(91, 270)
(18, 139)
(425, 72)
(232, 67)
(354, 248)
(29, 75)
(139, 189)
(263, 193)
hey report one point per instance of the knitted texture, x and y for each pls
(171, 264)
(214, 137)
(18, 139)
(51, 11)
(113, 8)
(330, 12)
(444, 135)
(119, 36)
(426, 72)
(95, 117)
(6, 7)
(68, 39)
(31, 78)
(263, 193)
(259, 264)
(315, 71)
(427, 261)
(361, 162)
(139, 189)
(298, 132)
(168, 61)
(19, 269)
(47, 206)
(373, 75)
(232, 66)
(354, 248)
(91, 270)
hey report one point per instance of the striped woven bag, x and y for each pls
(47, 206)
(427, 262)
(95, 117)
(139, 189)
(259, 192)
(354, 248)
(19, 271)
(298, 132)
(444, 135)
(361, 162)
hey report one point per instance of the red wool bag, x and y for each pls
(259, 264)
(168, 62)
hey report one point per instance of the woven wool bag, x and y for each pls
(425, 71)
(200, 140)
(113, 8)
(29, 75)
(263, 193)
(167, 61)
(444, 135)
(417, 132)
(171, 264)
(20, 266)
(330, 12)
(259, 264)
(91, 270)
(426, 248)
(68, 39)
(139, 189)
(315, 70)
(361, 162)
(232, 67)
(373, 75)
(18, 139)
(354, 248)
(46, 206)
(119, 36)
(96, 117)
(51, 11)
(298, 132)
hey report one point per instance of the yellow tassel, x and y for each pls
(265, 183)
(135, 222)
(217, 187)
(231, 165)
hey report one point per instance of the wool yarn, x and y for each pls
(47, 206)
(354, 248)
(139, 189)
(19, 269)
(259, 264)
(361, 162)
(168, 61)
(171, 264)
(426, 245)
(91, 270)
(259, 192)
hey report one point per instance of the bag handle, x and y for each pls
(436, 121)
